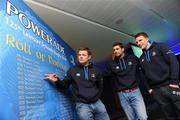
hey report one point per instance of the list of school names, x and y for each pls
(29, 88)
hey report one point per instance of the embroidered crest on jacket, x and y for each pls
(142, 60)
(78, 74)
(129, 63)
(117, 67)
(93, 75)
(153, 53)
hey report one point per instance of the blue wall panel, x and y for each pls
(28, 50)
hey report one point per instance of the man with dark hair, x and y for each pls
(87, 85)
(124, 68)
(161, 69)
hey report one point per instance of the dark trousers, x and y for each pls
(169, 100)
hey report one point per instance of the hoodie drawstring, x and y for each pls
(147, 55)
(86, 73)
(122, 64)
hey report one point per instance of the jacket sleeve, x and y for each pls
(107, 72)
(100, 82)
(172, 61)
(144, 79)
(64, 84)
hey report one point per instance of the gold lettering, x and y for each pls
(10, 40)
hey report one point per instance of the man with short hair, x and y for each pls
(87, 85)
(124, 68)
(161, 70)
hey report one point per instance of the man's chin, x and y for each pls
(81, 62)
(143, 48)
(117, 56)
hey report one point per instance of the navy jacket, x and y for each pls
(160, 66)
(124, 70)
(87, 83)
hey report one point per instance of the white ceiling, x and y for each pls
(99, 23)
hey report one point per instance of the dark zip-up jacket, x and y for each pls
(87, 83)
(160, 66)
(124, 70)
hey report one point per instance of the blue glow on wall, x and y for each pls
(28, 50)
(176, 49)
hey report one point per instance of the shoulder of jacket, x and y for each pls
(74, 68)
(160, 47)
(131, 56)
(112, 62)
(158, 44)
(96, 68)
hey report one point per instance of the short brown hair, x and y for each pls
(86, 49)
(119, 44)
(141, 34)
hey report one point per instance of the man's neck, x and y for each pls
(148, 46)
(122, 55)
(86, 64)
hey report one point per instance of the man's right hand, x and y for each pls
(52, 77)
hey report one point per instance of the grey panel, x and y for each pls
(86, 22)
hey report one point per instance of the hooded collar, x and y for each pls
(118, 58)
(121, 62)
(81, 65)
(151, 46)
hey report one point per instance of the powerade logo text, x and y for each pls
(29, 24)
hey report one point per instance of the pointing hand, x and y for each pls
(51, 77)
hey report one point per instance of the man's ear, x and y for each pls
(123, 49)
(89, 57)
(148, 39)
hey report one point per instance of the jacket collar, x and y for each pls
(118, 58)
(81, 65)
(152, 45)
